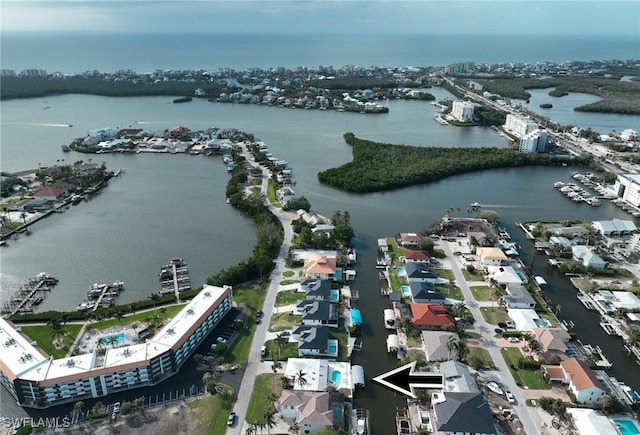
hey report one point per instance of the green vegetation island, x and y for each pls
(378, 166)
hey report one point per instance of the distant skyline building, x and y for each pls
(459, 68)
(463, 110)
(534, 142)
(37, 380)
(519, 126)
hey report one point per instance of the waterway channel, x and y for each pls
(166, 206)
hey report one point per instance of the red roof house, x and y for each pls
(417, 256)
(430, 316)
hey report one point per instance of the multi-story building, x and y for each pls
(37, 380)
(534, 142)
(459, 68)
(519, 126)
(627, 187)
(463, 110)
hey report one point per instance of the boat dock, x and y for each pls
(526, 231)
(617, 389)
(30, 294)
(360, 422)
(597, 356)
(403, 422)
(106, 295)
(586, 301)
(174, 278)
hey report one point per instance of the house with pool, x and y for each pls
(319, 374)
(37, 380)
(315, 341)
(318, 313)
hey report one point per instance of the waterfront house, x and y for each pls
(436, 347)
(462, 414)
(430, 316)
(316, 289)
(324, 228)
(457, 378)
(316, 313)
(586, 257)
(314, 341)
(322, 267)
(50, 194)
(414, 256)
(285, 195)
(561, 243)
(506, 275)
(83, 169)
(552, 342)
(408, 240)
(525, 320)
(425, 292)
(321, 373)
(518, 297)
(581, 380)
(31, 205)
(629, 134)
(590, 421)
(615, 227)
(383, 245)
(420, 272)
(178, 133)
(312, 412)
(617, 300)
(492, 257)
(572, 232)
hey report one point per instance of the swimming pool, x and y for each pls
(334, 296)
(406, 291)
(543, 323)
(120, 337)
(333, 348)
(626, 426)
(400, 271)
(336, 377)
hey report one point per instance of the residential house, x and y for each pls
(50, 194)
(518, 297)
(586, 257)
(411, 255)
(324, 228)
(617, 300)
(322, 267)
(581, 380)
(420, 272)
(408, 240)
(436, 345)
(457, 378)
(590, 421)
(491, 257)
(383, 246)
(480, 238)
(317, 313)
(505, 275)
(569, 232)
(178, 133)
(526, 320)
(425, 292)
(560, 242)
(615, 227)
(313, 412)
(462, 414)
(84, 169)
(552, 341)
(316, 289)
(314, 341)
(285, 195)
(430, 316)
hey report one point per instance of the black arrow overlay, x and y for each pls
(404, 379)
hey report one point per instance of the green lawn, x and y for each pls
(287, 350)
(164, 312)
(397, 250)
(271, 194)
(288, 297)
(482, 356)
(288, 273)
(264, 385)
(483, 293)
(476, 275)
(288, 281)
(494, 316)
(396, 281)
(252, 298)
(282, 321)
(42, 335)
(451, 291)
(445, 273)
(212, 414)
(529, 379)
(551, 318)
(342, 336)
(240, 351)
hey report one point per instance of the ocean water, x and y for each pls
(78, 52)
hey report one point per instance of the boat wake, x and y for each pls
(498, 206)
(149, 122)
(39, 124)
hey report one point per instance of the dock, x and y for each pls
(598, 356)
(30, 294)
(403, 422)
(586, 301)
(107, 294)
(174, 278)
(526, 231)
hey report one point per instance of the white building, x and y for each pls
(463, 110)
(627, 187)
(591, 421)
(103, 133)
(534, 142)
(615, 227)
(629, 134)
(519, 126)
(37, 380)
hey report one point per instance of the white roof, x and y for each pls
(589, 421)
(524, 319)
(621, 299)
(318, 373)
(40, 368)
(615, 225)
(506, 275)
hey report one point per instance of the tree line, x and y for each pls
(379, 166)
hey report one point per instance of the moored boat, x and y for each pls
(494, 387)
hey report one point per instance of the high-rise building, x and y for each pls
(519, 126)
(534, 142)
(463, 110)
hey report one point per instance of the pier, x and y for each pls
(174, 278)
(526, 231)
(29, 296)
(107, 294)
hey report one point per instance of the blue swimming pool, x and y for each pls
(336, 377)
(334, 296)
(626, 426)
(406, 291)
(400, 271)
(120, 337)
(333, 348)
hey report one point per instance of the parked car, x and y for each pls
(498, 330)
(232, 419)
(263, 350)
(510, 397)
(513, 339)
(221, 340)
(260, 313)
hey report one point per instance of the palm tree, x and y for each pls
(294, 428)
(463, 351)
(57, 334)
(633, 336)
(112, 340)
(77, 408)
(270, 418)
(101, 342)
(280, 341)
(299, 378)
(452, 344)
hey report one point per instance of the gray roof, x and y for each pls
(318, 288)
(435, 345)
(312, 337)
(425, 291)
(518, 294)
(464, 412)
(318, 310)
(418, 270)
(457, 378)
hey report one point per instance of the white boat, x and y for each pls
(85, 306)
(475, 204)
(631, 394)
(540, 280)
(494, 387)
(558, 184)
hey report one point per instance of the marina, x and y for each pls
(30, 294)
(174, 278)
(101, 295)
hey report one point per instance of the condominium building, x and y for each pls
(534, 142)
(519, 126)
(37, 380)
(463, 110)
(627, 187)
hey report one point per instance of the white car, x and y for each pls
(513, 339)
(510, 397)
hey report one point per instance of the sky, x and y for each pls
(562, 17)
